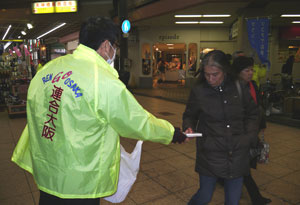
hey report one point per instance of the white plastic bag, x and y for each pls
(129, 168)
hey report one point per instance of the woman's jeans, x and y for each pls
(232, 189)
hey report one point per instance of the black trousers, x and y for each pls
(252, 189)
(47, 199)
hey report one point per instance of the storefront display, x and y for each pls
(146, 61)
(18, 64)
(14, 81)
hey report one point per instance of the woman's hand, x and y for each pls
(188, 131)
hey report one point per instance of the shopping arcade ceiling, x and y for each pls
(143, 14)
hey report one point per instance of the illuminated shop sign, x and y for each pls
(65, 6)
(54, 7)
(43, 7)
(168, 37)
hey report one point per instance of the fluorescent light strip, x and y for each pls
(216, 15)
(205, 15)
(199, 22)
(187, 16)
(7, 30)
(295, 21)
(187, 22)
(7, 44)
(290, 15)
(51, 30)
(211, 22)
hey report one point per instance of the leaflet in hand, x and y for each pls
(194, 134)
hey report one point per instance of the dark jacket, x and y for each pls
(229, 128)
(262, 118)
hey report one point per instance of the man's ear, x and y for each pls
(103, 49)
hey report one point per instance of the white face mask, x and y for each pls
(111, 60)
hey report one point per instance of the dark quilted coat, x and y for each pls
(229, 128)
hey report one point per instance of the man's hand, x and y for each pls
(178, 136)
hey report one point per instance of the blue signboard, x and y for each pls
(126, 26)
(258, 30)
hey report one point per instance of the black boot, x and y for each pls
(256, 197)
(264, 200)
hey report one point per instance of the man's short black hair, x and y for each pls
(96, 30)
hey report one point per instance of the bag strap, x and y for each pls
(238, 86)
(263, 137)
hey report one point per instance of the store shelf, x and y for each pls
(16, 109)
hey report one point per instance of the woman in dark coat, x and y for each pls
(229, 127)
(242, 69)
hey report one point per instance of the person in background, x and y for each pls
(161, 66)
(287, 68)
(192, 64)
(32, 69)
(228, 125)
(242, 68)
(42, 62)
(259, 72)
(181, 74)
(237, 54)
(76, 110)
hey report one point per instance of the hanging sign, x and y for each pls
(54, 7)
(258, 30)
(65, 6)
(126, 26)
(43, 7)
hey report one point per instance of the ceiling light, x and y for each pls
(7, 44)
(290, 15)
(170, 44)
(216, 15)
(295, 21)
(187, 16)
(7, 30)
(51, 30)
(29, 26)
(211, 22)
(187, 22)
(23, 33)
(199, 22)
(19, 36)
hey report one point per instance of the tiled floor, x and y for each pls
(166, 174)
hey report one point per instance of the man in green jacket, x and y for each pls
(76, 110)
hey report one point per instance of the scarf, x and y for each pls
(253, 92)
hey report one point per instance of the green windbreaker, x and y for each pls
(76, 110)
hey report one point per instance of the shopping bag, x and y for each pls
(129, 168)
(263, 158)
